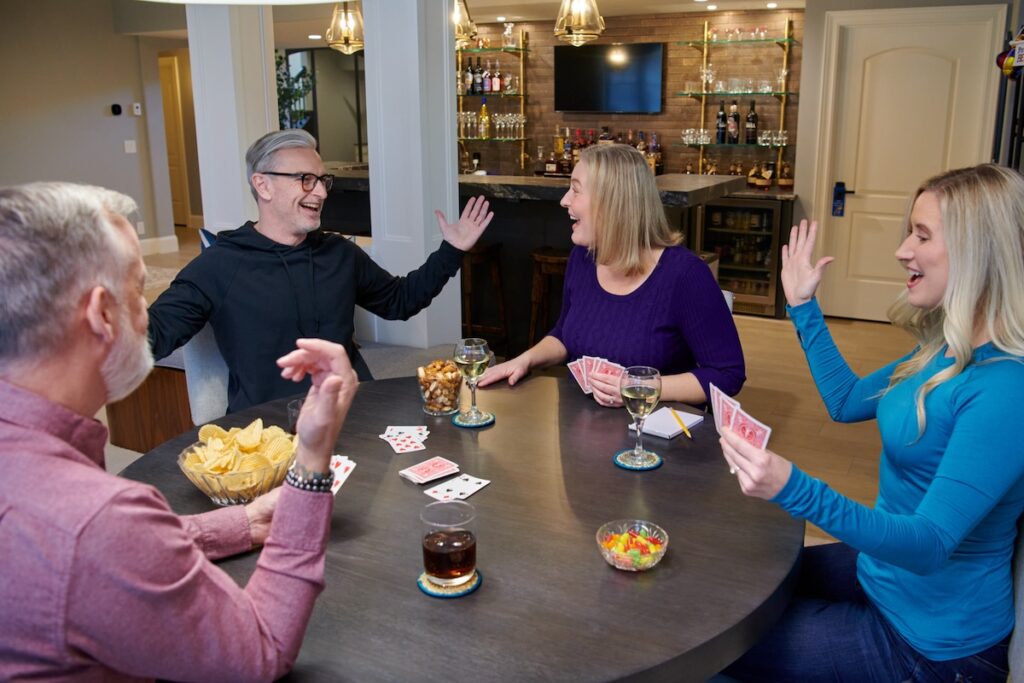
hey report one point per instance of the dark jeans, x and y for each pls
(832, 632)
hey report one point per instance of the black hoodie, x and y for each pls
(260, 296)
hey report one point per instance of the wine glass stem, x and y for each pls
(472, 394)
(639, 421)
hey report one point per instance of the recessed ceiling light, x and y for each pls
(772, 5)
(700, 0)
(712, 7)
(500, 18)
(315, 36)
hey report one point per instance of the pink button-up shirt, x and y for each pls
(100, 581)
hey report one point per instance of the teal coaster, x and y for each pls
(620, 461)
(435, 591)
(472, 425)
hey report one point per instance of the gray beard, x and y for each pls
(128, 364)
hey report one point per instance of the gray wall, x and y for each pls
(63, 66)
(810, 79)
(336, 105)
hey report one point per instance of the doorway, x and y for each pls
(907, 94)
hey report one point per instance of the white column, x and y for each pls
(232, 53)
(410, 67)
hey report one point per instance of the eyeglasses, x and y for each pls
(308, 180)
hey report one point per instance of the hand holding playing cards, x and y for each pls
(327, 402)
(800, 279)
(762, 473)
(605, 387)
(513, 370)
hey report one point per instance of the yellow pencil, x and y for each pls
(681, 423)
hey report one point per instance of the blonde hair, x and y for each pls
(982, 211)
(628, 216)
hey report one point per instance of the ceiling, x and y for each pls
(293, 24)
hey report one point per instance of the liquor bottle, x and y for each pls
(565, 163)
(751, 125)
(551, 165)
(618, 138)
(478, 78)
(629, 138)
(558, 142)
(733, 125)
(605, 138)
(496, 80)
(720, 124)
(641, 143)
(467, 77)
(485, 120)
(659, 160)
(577, 147)
(539, 165)
(485, 80)
(590, 138)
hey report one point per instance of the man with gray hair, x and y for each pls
(102, 581)
(267, 283)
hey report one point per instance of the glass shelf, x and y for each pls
(741, 232)
(493, 139)
(697, 94)
(728, 144)
(492, 94)
(746, 41)
(481, 50)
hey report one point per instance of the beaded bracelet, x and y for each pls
(316, 483)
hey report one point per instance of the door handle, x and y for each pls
(839, 193)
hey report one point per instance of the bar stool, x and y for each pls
(548, 262)
(489, 256)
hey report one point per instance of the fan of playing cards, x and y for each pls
(583, 368)
(728, 413)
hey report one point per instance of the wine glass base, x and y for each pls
(626, 460)
(470, 421)
(435, 591)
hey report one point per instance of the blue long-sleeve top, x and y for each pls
(936, 549)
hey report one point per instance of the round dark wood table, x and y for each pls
(550, 608)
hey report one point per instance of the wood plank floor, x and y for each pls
(779, 391)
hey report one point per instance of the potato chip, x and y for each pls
(211, 431)
(249, 438)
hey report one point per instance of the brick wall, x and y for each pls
(682, 64)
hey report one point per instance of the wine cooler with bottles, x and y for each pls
(747, 235)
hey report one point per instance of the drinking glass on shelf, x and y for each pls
(764, 86)
(781, 79)
(640, 387)
(707, 73)
(512, 85)
(472, 356)
(507, 38)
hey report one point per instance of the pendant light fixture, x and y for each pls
(465, 29)
(345, 34)
(578, 22)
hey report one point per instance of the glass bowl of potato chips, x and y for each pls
(234, 466)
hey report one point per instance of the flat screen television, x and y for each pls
(620, 79)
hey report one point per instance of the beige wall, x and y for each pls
(336, 105)
(63, 66)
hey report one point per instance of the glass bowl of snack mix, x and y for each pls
(440, 383)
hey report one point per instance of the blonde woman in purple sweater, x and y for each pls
(632, 293)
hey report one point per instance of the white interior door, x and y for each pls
(908, 94)
(174, 132)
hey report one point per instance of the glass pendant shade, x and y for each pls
(345, 34)
(578, 22)
(465, 29)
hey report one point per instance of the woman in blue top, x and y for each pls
(920, 587)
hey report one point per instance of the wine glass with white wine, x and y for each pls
(472, 357)
(640, 387)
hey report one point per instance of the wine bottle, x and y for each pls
(720, 124)
(752, 125)
(467, 77)
(733, 124)
(478, 78)
(485, 80)
(496, 80)
(485, 120)
(641, 143)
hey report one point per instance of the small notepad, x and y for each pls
(661, 423)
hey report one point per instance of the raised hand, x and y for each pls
(512, 370)
(761, 473)
(799, 278)
(327, 402)
(464, 234)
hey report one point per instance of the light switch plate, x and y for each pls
(137, 108)
(129, 147)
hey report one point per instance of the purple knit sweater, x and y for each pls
(676, 321)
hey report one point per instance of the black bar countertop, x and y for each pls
(677, 189)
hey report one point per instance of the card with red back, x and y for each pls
(576, 368)
(429, 470)
(752, 431)
(588, 366)
(716, 395)
(606, 367)
(728, 408)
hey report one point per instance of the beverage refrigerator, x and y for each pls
(747, 234)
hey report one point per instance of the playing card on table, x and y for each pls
(342, 467)
(404, 443)
(458, 488)
(420, 432)
(753, 432)
(428, 470)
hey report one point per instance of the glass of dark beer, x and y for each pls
(449, 542)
